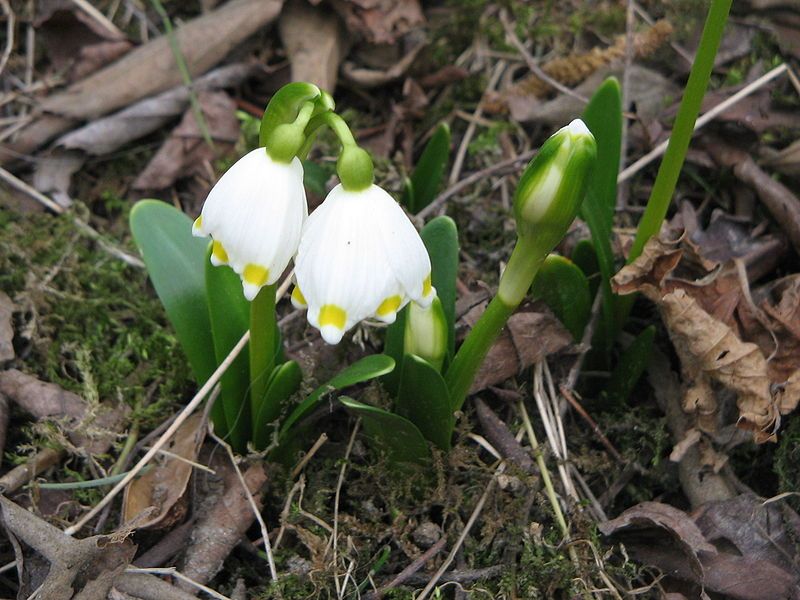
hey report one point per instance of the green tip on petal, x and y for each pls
(354, 168)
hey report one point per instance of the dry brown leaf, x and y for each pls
(371, 78)
(74, 41)
(6, 327)
(163, 487)
(103, 136)
(185, 152)
(147, 70)
(666, 537)
(648, 272)
(90, 428)
(315, 42)
(527, 338)
(787, 160)
(380, 21)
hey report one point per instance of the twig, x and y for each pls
(410, 570)
(460, 541)
(87, 229)
(100, 18)
(339, 483)
(495, 169)
(310, 454)
(531, 62)
(645, 160)
(22, 474)
(595, 427)
(251, 501)
(173, 572)
(458, 162)
(9, 34)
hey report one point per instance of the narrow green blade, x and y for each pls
(427, 176)
(175, 261)
(565, 289)
(398, 437)
(284, 382)
(425, 401)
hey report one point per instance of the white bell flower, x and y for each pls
(255, 214)
(359, 257)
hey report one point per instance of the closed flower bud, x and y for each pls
(426, 333)
(552, 187)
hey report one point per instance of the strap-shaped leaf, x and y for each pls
(398, 437)
(603, 117)
(427, 176)
(365, 369)
(284, 382)
(440, 237)
(632, 363)
(229, 313)
(565, 289)
(175, 261)
(424, 400)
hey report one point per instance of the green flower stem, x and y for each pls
(526, 258)
(682, 130)
(263, 336)
(354, 166)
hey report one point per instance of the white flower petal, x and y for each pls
(255, 215)
(359, 257)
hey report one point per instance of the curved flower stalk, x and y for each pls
(255, 214)
(359, 257)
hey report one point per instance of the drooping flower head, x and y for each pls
(255, 214)
(359, 257)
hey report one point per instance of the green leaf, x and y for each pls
(425, 401)
(440, 237)
(284, 106)
(284, 382)
(391, 433)
(229, 313)
(427, 176)
(315, 176)
(603, 117)
(584, 256)
(631, 365)
(565, 289)
(365, 369)
(175, 261)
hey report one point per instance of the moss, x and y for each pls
(87, 321)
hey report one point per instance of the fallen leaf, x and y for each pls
(6, 327)
(372, 78)
(380, 21)
(663, 536)
(147, 70)
(713, 326)
(90, 428)
(52, 174)
(527, 338)
(74, 41)
(315, 42)
(665, 529)
(104, 136)
(786, 161)
(164, 486)
(185, 152)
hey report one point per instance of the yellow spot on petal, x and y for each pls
(297, 296)
(389, 306)
(219, 252)
(255, 274)
(198, 222)
(330, 314)
(426, 286)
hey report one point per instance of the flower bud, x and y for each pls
(426, 333)
(552, 187)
